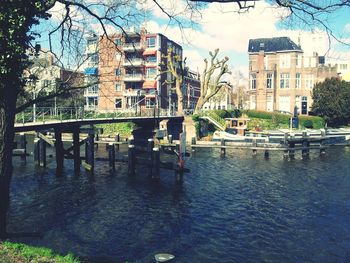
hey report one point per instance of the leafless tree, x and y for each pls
(211, 78)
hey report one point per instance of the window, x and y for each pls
(253, 102)
(252, 81)
(151, 42)
(118, 103)
(284, 103)
(297, 80)
(118, 86)
(151, 73)
(118, 41)
(94, 58)
(151, 59)
(266, 62)
(298, 102)
(117, 72)
(269, 102)
(309, 81)
(343, 66)
(299, 60)
(285, 61)
(284, 81)
(269, 81)
(150, 102)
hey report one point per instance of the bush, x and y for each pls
(308, 124)
(195, 117)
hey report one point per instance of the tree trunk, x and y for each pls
(180, 97)
(7, 116)
(199, 104)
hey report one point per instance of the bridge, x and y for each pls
(59, 121)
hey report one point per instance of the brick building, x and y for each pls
(281, 76)
(129, 71)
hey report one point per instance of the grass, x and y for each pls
(18, 253)
(123, 128)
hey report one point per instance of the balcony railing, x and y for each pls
(133, 46)
(134, 77)
(133, 62)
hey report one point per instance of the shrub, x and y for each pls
(308, 124)
(195, 117)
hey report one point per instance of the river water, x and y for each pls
(236, 209)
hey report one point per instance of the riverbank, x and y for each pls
(18, 253)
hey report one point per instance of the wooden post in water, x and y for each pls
(306, 144)
(89, 149)
(23, 145)
(111, 156)
(36, 151)
(170, 138)
(76, 151)
(131, 159)
(255, 144)
(42, 153)
(223, 149)
(193, 142)
(59, 151)
(150, 146)
(117, 139)
(156, 163)
(266, 154)
(291, 147)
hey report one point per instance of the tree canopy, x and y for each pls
(331, 100)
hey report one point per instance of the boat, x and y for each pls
(235, 130)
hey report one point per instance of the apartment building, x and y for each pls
(281, 76)
(50, 77)
(129, 69)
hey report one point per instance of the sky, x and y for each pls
(221, 26)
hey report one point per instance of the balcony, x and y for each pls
(133, 46)
(133, 62)
(134, 77)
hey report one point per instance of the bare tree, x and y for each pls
(176, 67)
(211, 79)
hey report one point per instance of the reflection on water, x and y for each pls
(237, 209)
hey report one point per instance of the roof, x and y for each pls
(275, 44)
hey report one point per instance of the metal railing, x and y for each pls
(47, 114)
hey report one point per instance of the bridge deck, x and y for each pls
(68, 124)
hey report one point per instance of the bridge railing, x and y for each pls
(45, 114)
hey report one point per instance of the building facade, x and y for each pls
(281, 76)
(129, 70)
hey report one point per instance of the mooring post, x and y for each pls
(117, 139)
(291, 147)
(223, 149)
(23, 145)
(150, 146)
(42, 153)
(59, 151)
(193, 142)
(306, 144)
(255, 145)
(36, 151)
(89, 149)
(170, 138)
(156, 163)
(97, 138)
(131, 159)
(76, 151)
(111, 156)
(266, 154)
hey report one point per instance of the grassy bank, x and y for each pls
(262, 120)
(123, 128)
(18, 253)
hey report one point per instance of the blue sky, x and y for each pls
(219, 26)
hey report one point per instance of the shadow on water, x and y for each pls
(235, 209)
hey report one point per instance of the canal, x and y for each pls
(237, 209)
